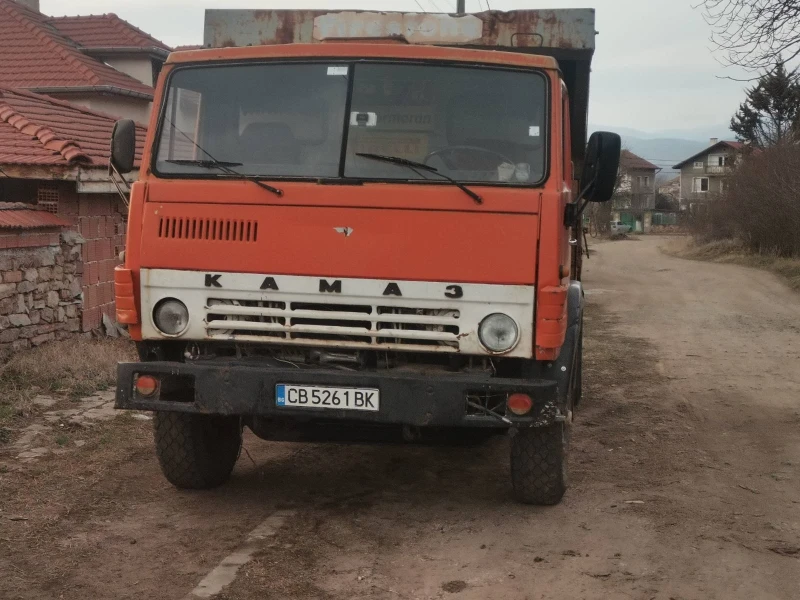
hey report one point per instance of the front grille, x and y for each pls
(217, 230)
(342, 325)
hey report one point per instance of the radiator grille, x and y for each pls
(341, 325)
(219, 230)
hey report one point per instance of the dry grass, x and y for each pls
(68, 369)
(733, 252)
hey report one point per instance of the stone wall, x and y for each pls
(40, 290)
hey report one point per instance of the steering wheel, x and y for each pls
(450, 149)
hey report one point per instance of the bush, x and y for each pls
(761, 207)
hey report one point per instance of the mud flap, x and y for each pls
(561, 369)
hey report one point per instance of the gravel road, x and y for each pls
(685, 479)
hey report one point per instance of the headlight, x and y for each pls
(171, 316)
(498, 333)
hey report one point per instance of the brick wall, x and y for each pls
(40, 288)
(100, 219)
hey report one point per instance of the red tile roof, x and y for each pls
(16, 215)
(38, 130)
(718, 146)
(628, 160)
(105, 31)
(34, 55)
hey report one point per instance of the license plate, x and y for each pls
(309, 396)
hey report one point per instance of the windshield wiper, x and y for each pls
(414, 165)
(225, 167)
(204, 163)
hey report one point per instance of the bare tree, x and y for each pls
(755, 34)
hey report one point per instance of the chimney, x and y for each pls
(32, 4)
(714, 141)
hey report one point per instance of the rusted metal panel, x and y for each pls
(415, 28)
(565, 29)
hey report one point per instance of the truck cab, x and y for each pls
(363, 234)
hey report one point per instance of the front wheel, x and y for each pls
(539, 463)
(197, 452)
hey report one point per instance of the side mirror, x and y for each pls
(601, 166)
(123, 145)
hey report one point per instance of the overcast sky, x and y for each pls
(653, 69)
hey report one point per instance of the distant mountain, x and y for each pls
(697, 134)
(667, 148)
(664, 152)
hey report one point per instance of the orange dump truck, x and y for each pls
(355, 225)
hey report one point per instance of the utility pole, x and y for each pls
(461, 6)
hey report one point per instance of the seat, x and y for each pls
(269, 143)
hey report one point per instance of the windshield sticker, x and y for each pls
(337, 70)
(363, 119)
(533, 131)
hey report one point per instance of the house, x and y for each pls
(100, 62)
(703, 175)
(62, 223)
(635, 199)
(670, 191)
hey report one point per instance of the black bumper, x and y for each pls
(439, 400)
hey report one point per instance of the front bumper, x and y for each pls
(437, 400)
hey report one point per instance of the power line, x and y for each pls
(422, 8)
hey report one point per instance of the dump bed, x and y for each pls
(567, 35)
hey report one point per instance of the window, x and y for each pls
(478, 125)
(279, 120)
(700, 184)
(646, 182)
(699, 164)
(291, 120)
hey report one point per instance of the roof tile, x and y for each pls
(105, 31)
(629, 160)
(718, 145)
(39, 130)
(16, 215)
(35, 55)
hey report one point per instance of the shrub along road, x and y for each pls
(684, 479)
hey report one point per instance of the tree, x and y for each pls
(770, 115)
(755, 34)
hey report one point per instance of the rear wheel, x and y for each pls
(197, 451)
(539, 463)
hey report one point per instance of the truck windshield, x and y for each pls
(313, 120)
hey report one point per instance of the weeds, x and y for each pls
(731, 251)
(70, 369)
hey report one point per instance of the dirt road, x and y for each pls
(685, 479)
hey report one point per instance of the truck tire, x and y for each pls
(197, 452)
(539, 464)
